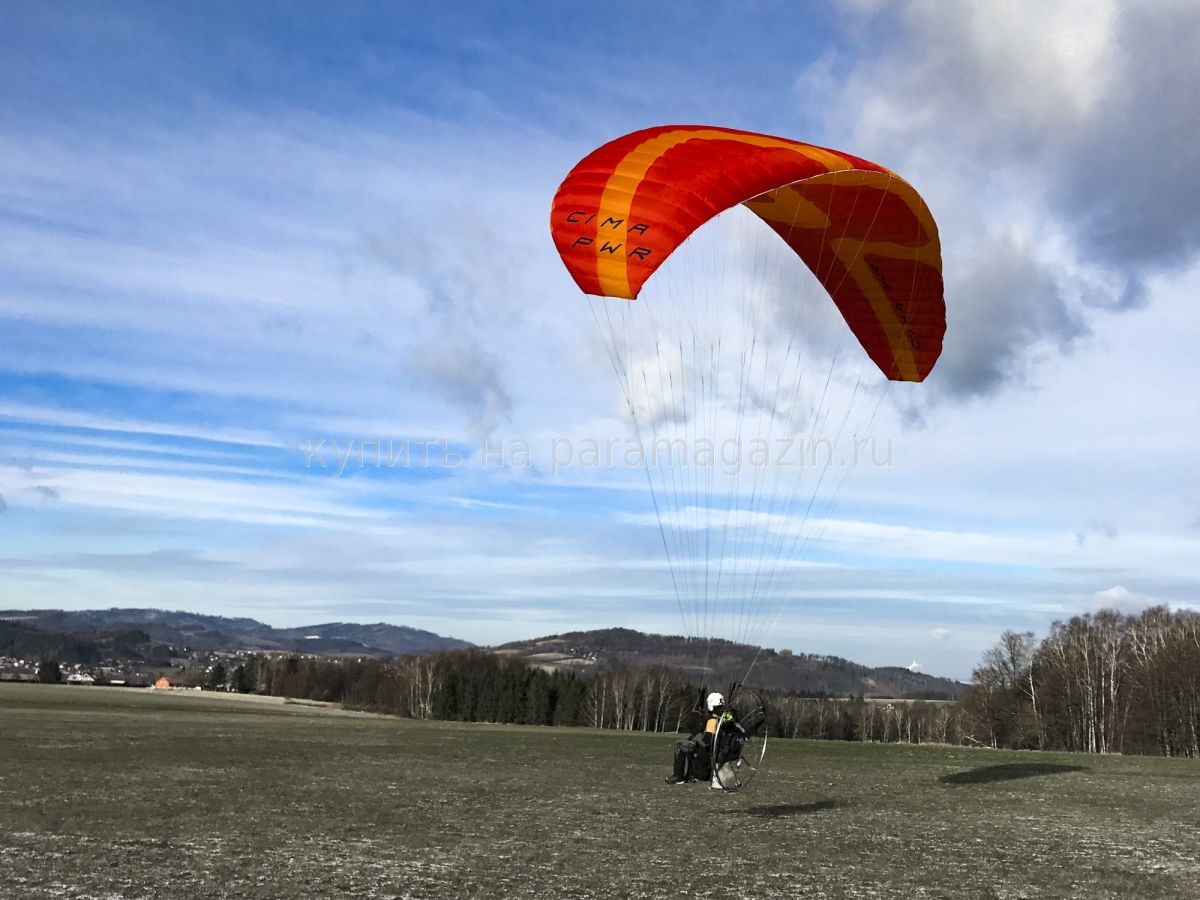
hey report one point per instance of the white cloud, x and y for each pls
(1048, 139)
(81, 419)
(1120, 598)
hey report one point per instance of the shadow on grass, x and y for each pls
(779, 810)
(1007, 772)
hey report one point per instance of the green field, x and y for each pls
(136, 794)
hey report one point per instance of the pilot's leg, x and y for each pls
(685, 748)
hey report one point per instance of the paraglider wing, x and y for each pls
(864, 233)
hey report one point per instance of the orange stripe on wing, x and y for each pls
(612, 268)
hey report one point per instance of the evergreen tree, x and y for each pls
(240, 682)
(539, 700)
(216, 678)
(49, 671)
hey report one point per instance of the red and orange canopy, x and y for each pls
(864, 232)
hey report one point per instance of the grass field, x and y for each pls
(136, 794)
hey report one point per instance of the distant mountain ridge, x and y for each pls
(147, 634)
(801, 673)
(198, 632)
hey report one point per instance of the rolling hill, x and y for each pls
(801, 673)
(195, 632)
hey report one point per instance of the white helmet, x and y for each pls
(714, 700)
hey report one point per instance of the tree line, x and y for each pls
(474, 686)
(1098, 683)
(480, 686)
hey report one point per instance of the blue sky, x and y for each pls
(230, 233)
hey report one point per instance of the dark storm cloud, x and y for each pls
(1130, 173)
(1079, 132)
(1004, 302)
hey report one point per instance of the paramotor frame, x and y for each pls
(740, 743)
